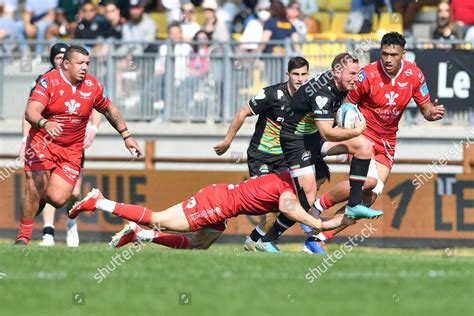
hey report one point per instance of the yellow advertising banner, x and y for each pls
(440, 207)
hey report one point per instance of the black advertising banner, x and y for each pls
(449, 74)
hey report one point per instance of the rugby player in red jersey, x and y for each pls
(58, 110)
(382, 93)
(211, 207)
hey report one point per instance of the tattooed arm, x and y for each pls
(113, 115)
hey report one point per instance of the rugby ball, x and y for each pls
(347, 115)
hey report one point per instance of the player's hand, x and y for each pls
(221, 147)
(53, 129)
(436, 111)
(90, 136)
(359, 126)
(133, 147)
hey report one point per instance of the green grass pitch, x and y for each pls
(226, 280)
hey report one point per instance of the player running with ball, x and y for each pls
(383, 91)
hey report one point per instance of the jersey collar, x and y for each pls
(390, 77)
(67, 81)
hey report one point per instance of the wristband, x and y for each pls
(125, 134)
(94, 128)
(42, 122)
(128, 136)
(123, 130)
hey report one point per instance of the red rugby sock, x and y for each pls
(171, 240)
(25, 230)
(134, 213)
(329, 234)
(325, 202)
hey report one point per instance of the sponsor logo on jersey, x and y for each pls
(424, 89)
(72, 106)
(306, 155)
(402, 85)
(70, 173)
(263, 169)
(55, 82)
(280, 94)
(260, 95)
(39, 92)
(422, 78)
(88, 83)
(85, 95)
(391, 98)
(191, 203)
(408, 72)
(321, 101)
(361, 76)
(44, 83)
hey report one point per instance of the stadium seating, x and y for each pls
(161, 24)
(391, 22)
(324, 20)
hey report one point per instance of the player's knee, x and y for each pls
(56, 200)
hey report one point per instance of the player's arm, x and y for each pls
(291, 208)
(25, 130)
(96, 118)
(432, 111)
(239, 118)
(113, 115)
(33, 115)
(331, 134)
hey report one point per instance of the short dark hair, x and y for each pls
(342, 60)
(173, 24)
(393, 38)
(322, 168)
(297, 62)
(74, 49)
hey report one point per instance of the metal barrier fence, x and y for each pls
(166, 83)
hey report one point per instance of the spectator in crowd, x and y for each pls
(172, 9)
(65, 19)
(278, 27)
(9, 28)
(189, 26)
(227, 13)
(181, 52)
(253, 32)
(140, 27)
(444, 26)
(294, 16)
(115, 21)
(212, 25)
(38, 15)
(199, 64)
(409, 9)
(90, 26)
(463, 13)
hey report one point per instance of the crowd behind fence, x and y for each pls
(165, 84)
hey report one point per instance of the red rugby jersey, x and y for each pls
(68, 104)
(382, 99)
